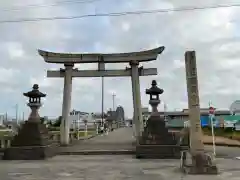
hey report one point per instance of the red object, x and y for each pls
(211, 110)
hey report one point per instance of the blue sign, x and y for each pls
(204, 121)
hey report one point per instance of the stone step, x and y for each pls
(158, 151)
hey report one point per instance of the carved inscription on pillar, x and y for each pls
(193, 101)
(192, 83)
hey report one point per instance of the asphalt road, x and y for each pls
(225, 152)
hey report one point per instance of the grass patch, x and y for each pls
(5, 134)
(227, 132)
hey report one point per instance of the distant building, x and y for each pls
(128, 122)
(79, 119)
(176, 119)
(116, 117)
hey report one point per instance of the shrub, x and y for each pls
(228, 130)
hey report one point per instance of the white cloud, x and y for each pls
(126, 26)
(212, 33)
(179, 64)
(42, 81)
(7, 75)
(15, 50)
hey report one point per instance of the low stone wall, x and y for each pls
(5, 141)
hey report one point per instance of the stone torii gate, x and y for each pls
(68, 59)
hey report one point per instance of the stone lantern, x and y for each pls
(34, 102)
(32, 141)
(156, 141)
(154, 93)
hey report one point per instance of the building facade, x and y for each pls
(79, 120)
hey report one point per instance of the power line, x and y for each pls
(58, 3)
(118, 13)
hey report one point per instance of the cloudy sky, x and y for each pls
(213, 34)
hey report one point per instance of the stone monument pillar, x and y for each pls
(32, 141)
(201, 163)
(156, 142)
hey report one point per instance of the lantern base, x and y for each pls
(156, 142)
(31, 143)
(29, 153)
(158, 151)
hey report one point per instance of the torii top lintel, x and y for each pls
(141, 56)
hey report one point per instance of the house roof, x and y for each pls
(231, 118)
(185, 112)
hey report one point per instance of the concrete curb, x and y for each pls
(90, 137)
(222, 144)
(99, 152)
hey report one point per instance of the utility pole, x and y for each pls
(23, 117)
(165, 110)
(17, 113)
(102, 100)
(211, 116)
(6, 117)
(101, 67)
(113, 101)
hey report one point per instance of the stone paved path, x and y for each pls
(119, 139)
(122, 139)
(121, 135)
(108, 168)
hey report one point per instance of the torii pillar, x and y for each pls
(136, 94)
(66, 107)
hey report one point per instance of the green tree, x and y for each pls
(49, 123)
(42, 120)
(57, 123)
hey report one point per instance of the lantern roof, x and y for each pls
(35, 93)
(154, 90)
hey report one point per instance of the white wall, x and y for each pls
(1, 119)
(77, 121)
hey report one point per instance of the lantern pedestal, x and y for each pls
(31, 143)
(156, 142)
